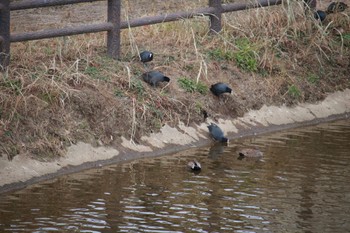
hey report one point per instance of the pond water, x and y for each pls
(302, 184)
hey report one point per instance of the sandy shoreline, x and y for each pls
(23, 170)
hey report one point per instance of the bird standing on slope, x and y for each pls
(320, 15)
(220, 88)
(154, 77)
(217, 133)
(336, 7)
(146, 56)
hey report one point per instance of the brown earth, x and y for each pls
(60, 91)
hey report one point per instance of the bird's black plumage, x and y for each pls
(146, 56)
(194, 165)
(336, 7)
(220, 88)
(154, 77)
(217, 133)
(320, 15)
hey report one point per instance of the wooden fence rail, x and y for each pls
(113, 25)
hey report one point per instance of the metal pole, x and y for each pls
(4, 33)
(113, 35)
(215, 19)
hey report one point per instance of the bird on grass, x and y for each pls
(154, 77)
(217, 133)
(220, 88)
(336, 7)
(320, 15)
(194, 165)
(146, 56)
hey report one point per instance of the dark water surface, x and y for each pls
(301, 185)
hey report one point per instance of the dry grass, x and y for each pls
(61, 90)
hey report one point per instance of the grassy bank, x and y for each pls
(59, 91)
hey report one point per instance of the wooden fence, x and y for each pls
(113, 25)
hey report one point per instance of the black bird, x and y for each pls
(153, 77)
(320, 15)
(194, 165)
(336, 7)
(220, 88)
(146, 56)
(217, 133)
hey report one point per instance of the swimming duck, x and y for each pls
(320, 15)
(250, 153)
(217, 133)
(154, 77)
(336, 7)
(146, 56)
(220, 88)
(194, 165)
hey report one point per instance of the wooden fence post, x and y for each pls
(310, 4)
(113, 35)
(215, 19)
(4, 33)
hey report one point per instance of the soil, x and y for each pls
(61, 92)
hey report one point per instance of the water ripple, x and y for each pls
(301, 184)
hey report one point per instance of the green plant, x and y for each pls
(191, 86)
(313, 78)
(136, 85)
(95, 73)
(221, 55)
(346, 39)
(294, 91)
(246, 55)
(13, 84)
(118, 93)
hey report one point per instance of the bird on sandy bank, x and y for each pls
(154, 77)
(194, 165)
(217, 133)
(220, 88)
(336, 7)
(320, 15)
(146, 56)
(250, 153)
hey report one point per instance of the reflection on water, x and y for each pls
(300, 185)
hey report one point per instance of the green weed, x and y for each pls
(13, 84)
(95, 73)
(294, 91)
(246, 55)
(346, 39)
(118, 93)
(136, 85)
(191, 86)
(313, 78)
(221, 55)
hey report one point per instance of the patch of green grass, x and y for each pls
(13, 84)
(346, 36)
(294, 91)
(48, 97)
(189, 67)
(221, 55)
(191, 86)
(246, 55)
(118, 93)
(313, 78)
(136, 85)
(157, 113)
(95, 73)
(346, 39)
